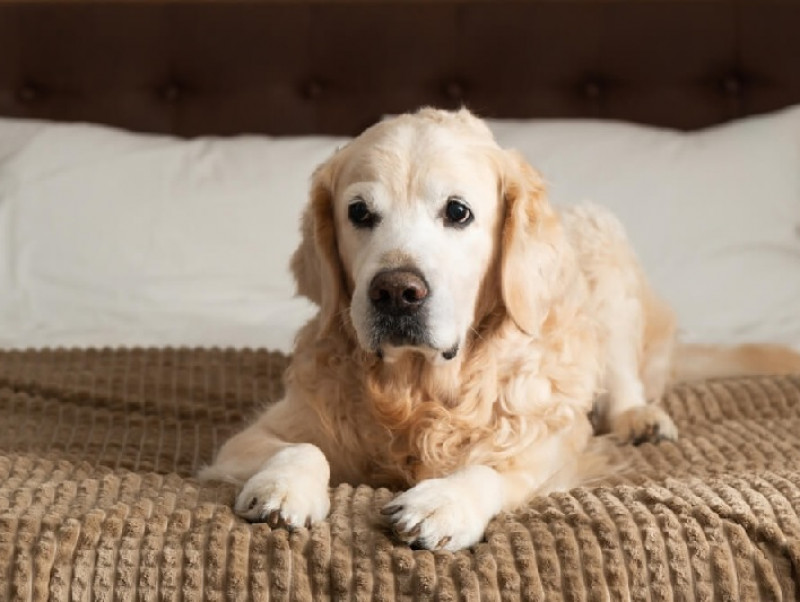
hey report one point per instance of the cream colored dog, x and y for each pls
(465, 331)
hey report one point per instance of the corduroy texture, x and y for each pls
(97, 501)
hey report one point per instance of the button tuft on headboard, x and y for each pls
(593, 88)
(732, 84)
(171, 92)
(313, 89)
(454, 90)
(29, 93)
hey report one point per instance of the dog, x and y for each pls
(465, 331)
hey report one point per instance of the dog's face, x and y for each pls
(416, 213)
(406, 224)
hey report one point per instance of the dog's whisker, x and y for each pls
(477, 334)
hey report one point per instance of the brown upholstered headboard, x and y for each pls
(310, 67)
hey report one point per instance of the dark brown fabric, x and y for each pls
(294, 67)
(97, 449)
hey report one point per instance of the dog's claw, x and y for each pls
(391, 509)
(411, 534)
(645, 424)
(652, 434)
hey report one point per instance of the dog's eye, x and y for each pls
(360, 216)
(456, 213)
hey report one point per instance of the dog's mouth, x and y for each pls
(399, 331)
(393, 335)
(391, 353)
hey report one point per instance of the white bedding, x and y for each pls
(113, 238)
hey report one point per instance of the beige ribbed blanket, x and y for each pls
(97, 499)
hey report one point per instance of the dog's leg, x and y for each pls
(452, 512)
(626, 412)
(285, 483)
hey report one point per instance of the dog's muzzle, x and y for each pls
(398, 297)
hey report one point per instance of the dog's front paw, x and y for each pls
(643, 424)
(443, 514)
(290, 491)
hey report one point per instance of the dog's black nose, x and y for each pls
(398, 291)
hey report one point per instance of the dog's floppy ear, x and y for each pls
(315, 264)
(534, 249)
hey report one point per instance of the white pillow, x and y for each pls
(714, 215)
(112, 238)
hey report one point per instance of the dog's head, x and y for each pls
(415, 224)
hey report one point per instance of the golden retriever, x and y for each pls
(465, 331)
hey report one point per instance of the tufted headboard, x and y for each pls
(293, 67)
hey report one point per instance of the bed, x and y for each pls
(153, 160)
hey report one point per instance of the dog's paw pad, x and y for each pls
(643, 424)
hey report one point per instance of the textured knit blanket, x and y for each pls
(97, 499)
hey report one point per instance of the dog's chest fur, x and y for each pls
(395, 425)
